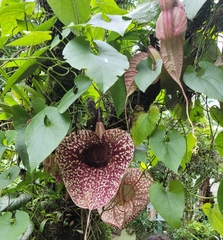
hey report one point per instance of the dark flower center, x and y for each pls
(96, 155)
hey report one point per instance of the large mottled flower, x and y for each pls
(130, 200)
(93, 164)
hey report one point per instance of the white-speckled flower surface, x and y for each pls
(130, 200)
(92, 167)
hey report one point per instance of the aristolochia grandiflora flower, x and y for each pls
(130, 200)
(93, 164)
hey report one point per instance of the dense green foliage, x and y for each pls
(59, 62)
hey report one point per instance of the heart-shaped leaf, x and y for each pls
(220, 197)
(207, 80)
(169, 204)
(103, 66)
(214, 216)
(8, 176)
(12, 231)
(147, 75)
(82, 84)
(44, 133)
(144, 124)
(169, 148)
(217, 115)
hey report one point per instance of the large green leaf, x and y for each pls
(32, 38)
(20, 119)
(144, 124)
(24, 70)
(207, 80)
(11, 202)
(12, 231)
(219, 142)
(82, 84)
(118, 93)
(214, 217)
(76, 11)
(147, 75)
(8, 176)
(114, 23)
(217, 115)
(192, 7)
(44, 133)
(169, 148)
(104, 66)
(168, 203)
(146, 11)
(220, 197)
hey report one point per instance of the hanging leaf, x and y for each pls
(220, 197)
(118, 93)
(217, 115)
(76, 11)
(207, 80)
(192, 7)
(114, 23)
(12, 231)
(44, 133)
(104, 66)
(169, 148)
(20, 118)
(146, 11)
(219, 143)
(82, 83)
(168, 203)
(32, 38)
(8, 176)
(214, 217)
(147, 75)
(144, 124)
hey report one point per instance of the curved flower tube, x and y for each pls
(131, 199)
(93, 164)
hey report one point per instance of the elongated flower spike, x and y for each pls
(93, 165)
(131, 199)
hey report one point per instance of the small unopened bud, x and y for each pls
(99, 129)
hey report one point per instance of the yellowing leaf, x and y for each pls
(32, 38)
(214, 217)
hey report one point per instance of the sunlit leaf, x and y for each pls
(24, 70)
(168, 203)
(76, 11)
(114, 23)
(214, 216)
(207, 80)
(146, 11)
(144, 124)
(32, 38)
(169, 147)
(44, 133)
(104, 66)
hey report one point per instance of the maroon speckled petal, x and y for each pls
(91, 187)
(117, 215)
